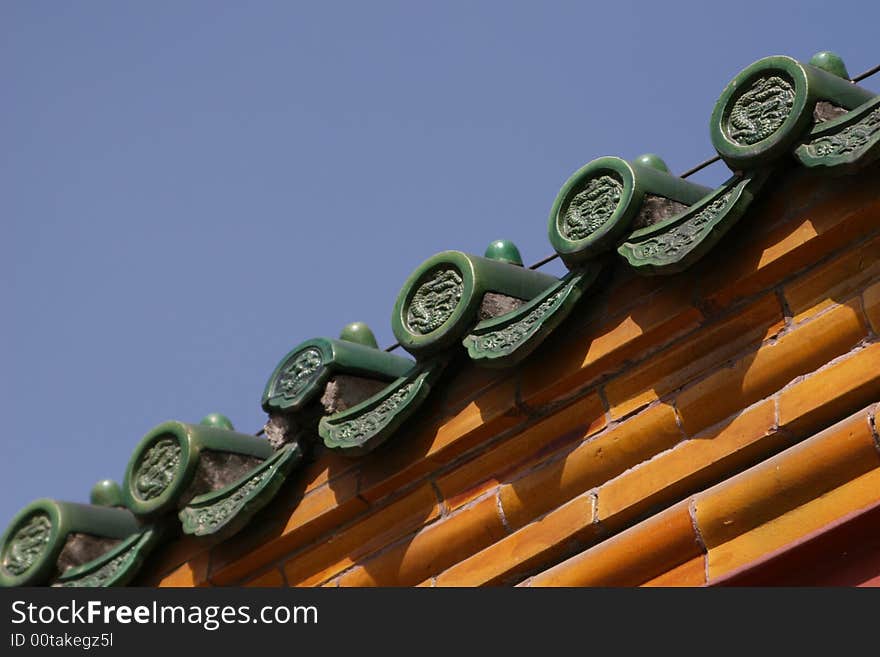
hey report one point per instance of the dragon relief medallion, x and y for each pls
(157, 468)
(27, 544)
(591, 208)
(761, 109)
(299, 372)
(435, 301)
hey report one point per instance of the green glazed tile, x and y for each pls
(117, 567)
(848, 142)
(31, 545)
(768, 108)
(363, 427)
(506, 340)
(440, 300)
(597, 205)
(675, 244)
(303, 373)
(165, 462)
(225, 511)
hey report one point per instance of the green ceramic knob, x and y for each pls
(831, 62)
(766, 109)
(359, 333)
(164, 464)
(653, 161)
(106, 493)
(30, 548)
(504, 251)
(597, 205)
(301, 375)
(217, 420)
(440, 301)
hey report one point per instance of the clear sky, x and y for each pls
(190, 189)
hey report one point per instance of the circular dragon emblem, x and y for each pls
(589, 210)
(299, 372)
(27, 544)
(434, 301)
(761, 109)
(157, 468)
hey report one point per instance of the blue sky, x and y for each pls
(189, 189)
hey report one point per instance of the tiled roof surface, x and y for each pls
(692, 397)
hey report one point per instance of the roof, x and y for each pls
(692, 342)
